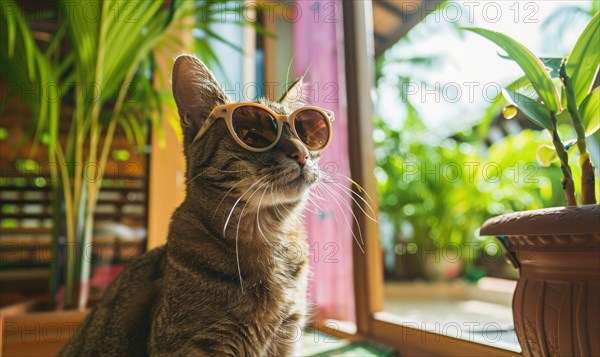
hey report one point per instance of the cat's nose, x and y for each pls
(300, 156)
(295, 151)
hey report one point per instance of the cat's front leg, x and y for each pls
(216, 344)
(205, 347)
(286, 349)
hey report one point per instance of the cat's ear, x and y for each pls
(195, 90)
(294, 96)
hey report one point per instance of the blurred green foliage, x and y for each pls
(437, 193)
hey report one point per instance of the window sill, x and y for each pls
(416, 342)
(452, 311)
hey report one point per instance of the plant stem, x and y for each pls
(58, 199)
(56, 215)
(78, 148)
(588, 195)
(70, 225)
(94, 185)
(567, 181)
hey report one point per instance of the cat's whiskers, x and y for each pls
(307, 208)
(311, 201)
(330, 193)
(258, 218)
(232, 171)
(350, 194)
(222, 199)
(237, 232)
(281, 215)
(202, 172)
(309, 198)
(275, 209)
(316, 195)
(317, 192)
(361, 189)
(195, 177)
(311, 210)
(237, 255)
(239, 158)
(287, 211)
(332, 209)
(238, 201)
(348, 206)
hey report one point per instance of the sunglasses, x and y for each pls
(257, 128)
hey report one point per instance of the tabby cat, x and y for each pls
(232, 277)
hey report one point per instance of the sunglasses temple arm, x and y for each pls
(207, 124)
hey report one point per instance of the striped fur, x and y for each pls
(232, 278)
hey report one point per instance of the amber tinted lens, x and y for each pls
(254, 126)
(312, 128)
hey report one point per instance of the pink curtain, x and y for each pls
(318, 44)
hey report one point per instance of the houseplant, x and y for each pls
(557, 250)
(93, 77)
(87, 67)
(99, 64)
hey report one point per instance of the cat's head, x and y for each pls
(217, 165)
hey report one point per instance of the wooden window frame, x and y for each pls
(371, 323)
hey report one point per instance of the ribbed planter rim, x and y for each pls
(583, 219)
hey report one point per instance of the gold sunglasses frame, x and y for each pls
(225, 111)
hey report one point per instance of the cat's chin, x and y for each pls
(289, 192)
(289, 187)
(295, 193)
(296, 185)
(283, 198)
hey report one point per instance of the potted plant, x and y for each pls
(86, 67)
(557, 250)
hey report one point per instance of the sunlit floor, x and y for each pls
(454, 310)
(316, 344)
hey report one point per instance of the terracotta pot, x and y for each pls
(27, 332)
(556, 305)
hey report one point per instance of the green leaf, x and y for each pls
(523, 86)
(560, 89)
(546, 155)
(22, 62)
(552, 65)
(529, 63)
(533, 110)
(590, 112)
(10, 21)
(520, 83)
(122, 120)
(584, 60)
(563, 97)
(564, 118)
(223, 40)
